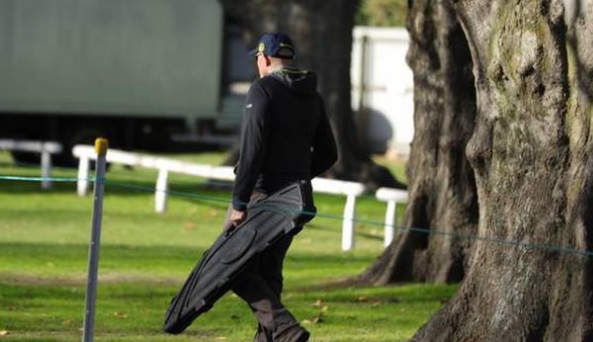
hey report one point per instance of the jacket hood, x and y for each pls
(299, 81)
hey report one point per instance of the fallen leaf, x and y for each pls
(120, 314)
(376, 303)
(189, 226)
(318, 319)
(318, 303)
(4, 332)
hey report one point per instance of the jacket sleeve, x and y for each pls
(252, 146)
(325, 152)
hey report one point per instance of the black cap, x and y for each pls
(276, 45)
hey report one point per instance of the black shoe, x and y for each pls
(293, 333)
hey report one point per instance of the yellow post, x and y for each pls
(101, 145)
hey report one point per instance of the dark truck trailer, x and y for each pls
(135, 71)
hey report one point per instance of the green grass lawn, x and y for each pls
(145, 258)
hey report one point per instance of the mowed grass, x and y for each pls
(145, 257)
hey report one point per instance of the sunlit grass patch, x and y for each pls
(145, 257)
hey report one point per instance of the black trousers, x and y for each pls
(260, 284)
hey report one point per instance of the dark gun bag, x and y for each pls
(268, 221)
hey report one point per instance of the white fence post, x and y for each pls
(348, 223)
(161, 191)
(351, 190)
(44, 148)
(392, 197)
(390, 220)
(45, 169)
(82, 182)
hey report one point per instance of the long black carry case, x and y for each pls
(268, 221)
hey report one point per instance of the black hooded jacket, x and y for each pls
(285, 136)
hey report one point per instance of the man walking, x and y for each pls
(286, 137)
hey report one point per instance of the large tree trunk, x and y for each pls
(530, 277)
(442, 193)
(322, 33)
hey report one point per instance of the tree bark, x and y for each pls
(530, 276)
(442, 194)
(322, 33)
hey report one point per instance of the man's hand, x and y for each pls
(237, 217)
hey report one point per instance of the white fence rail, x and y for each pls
(44, 148)
(351, 190)
(165, 166)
